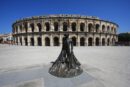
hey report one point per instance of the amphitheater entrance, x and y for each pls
(74, 41)
(90, 41)
(26, 41)
(56, 41)
(97, 41)
(39, 40)
(108, 42)
(103, 41)
(82, 41)
(47, 41)
(32, 41)
(73, 26)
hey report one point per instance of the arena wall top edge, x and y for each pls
(63, 16)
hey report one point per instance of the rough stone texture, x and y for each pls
(49, 30)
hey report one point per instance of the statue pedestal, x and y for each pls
(62, 70)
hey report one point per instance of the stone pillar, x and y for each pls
(18, 30)
(60, 26)
(78, 26)
(86, 26)
(23, 28)
(86, 41)
(94, 27)
(43, 40)
(35, 27)
(51, 26)
(69, 26)
(105, 41)
(29, 28)
(23, 41)
(51, 40)
(78, 40)
(35, 40)
(43, 26)
(18, 41)
(60, 40)
(100, 41)
(29, 40)
(94, 40)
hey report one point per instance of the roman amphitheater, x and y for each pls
(49, 30)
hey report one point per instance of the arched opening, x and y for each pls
(47, 26)
(115, 30)
(82, 41)
(32, 27)
(97, 41)
(90, 27)
(39, 40)
(82, 26)
(16, 29)
(47, 41)
(56, 26)
(26, 27)
(103, 41)
(97, 28)
(39, 27)
(103, 28)
(111, 29)
(20, 28)
(26, 41)
(65, 26)
(108, 42)
(21, 41)
(90, 41)
(56, 41)
(74, 41)
(73, 26)
(108, 29)
(32, 41)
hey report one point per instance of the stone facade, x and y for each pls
(49, 31)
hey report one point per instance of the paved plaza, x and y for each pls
(27, 66)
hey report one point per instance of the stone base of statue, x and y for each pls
(66, 66)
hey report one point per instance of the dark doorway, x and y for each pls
(32, 41)
(73, 26)
(56, 41)
(47, 26)
(39, 40)
(39, 27)
(82, 41)
(90, 41)
(82, 26)
(55, 26)
(90, 28)
(74, 41)
(32, 27)
(47, 41)
(103, 42)
(97, 41)
(26, 41)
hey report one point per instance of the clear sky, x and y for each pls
(117, 11)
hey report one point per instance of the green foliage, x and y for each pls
(124, 37)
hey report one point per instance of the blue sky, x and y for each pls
(117, 11)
